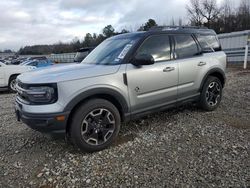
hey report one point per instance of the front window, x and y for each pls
(158, 46)
(110, 52)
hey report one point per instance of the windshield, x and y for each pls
(110, 52)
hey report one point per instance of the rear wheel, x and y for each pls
(12, 84)
(95, 125)
(211, 94)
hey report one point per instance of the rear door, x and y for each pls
(152, 86)
(192, 65)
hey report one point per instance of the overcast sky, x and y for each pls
(28, 22)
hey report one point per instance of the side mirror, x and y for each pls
(143, 59)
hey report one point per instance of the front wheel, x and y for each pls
(95, 124)
(211, 94)
(12, 84)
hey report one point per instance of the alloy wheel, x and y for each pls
(213, 93)
(98, 126)
(13, 85)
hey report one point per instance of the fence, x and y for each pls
(62, 58)
(237, 46)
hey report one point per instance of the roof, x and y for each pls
(168, 30)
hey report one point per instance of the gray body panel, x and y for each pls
(143, 88)
(193, 70)
(150, 86)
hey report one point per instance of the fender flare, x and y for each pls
(212, 71)
(11, 75)
(98, 91)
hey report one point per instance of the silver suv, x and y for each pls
(125, 77)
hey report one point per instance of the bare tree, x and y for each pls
(203, 12)
(172, 22)
(227, 9)
(194, 12)
(244, 15)
(209, 11)
(227, 20)
(180, 22)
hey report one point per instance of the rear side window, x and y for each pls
(209, 42)
(185, 46)
(158, 46)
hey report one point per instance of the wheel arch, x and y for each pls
(216, 72)
(102, 93)
(11, 76)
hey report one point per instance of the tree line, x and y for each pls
(90, 40)
(222, 18)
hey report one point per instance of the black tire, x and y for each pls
(84, 124)
(12, 81)
(208, 100)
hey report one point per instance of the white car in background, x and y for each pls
(8, 74)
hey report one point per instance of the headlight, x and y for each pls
(39, 94)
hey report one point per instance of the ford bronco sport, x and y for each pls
(125, 77)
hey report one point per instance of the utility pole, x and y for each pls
(246, 53)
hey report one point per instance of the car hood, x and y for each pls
(60, 73)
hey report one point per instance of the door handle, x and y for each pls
(168, 69)
(202, 63)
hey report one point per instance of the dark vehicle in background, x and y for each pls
(18, 61)
(82, 53)
(37, 58)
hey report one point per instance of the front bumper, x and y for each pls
(47, 123)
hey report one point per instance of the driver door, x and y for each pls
(153, 86)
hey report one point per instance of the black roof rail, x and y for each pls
(166, 28)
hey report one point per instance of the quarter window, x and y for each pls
(185, 46)
(157, 46)
(209, 42)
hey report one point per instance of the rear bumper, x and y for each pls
(46, 123)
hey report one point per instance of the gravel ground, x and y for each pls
(177, 148)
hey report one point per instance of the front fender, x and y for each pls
(98, 91)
